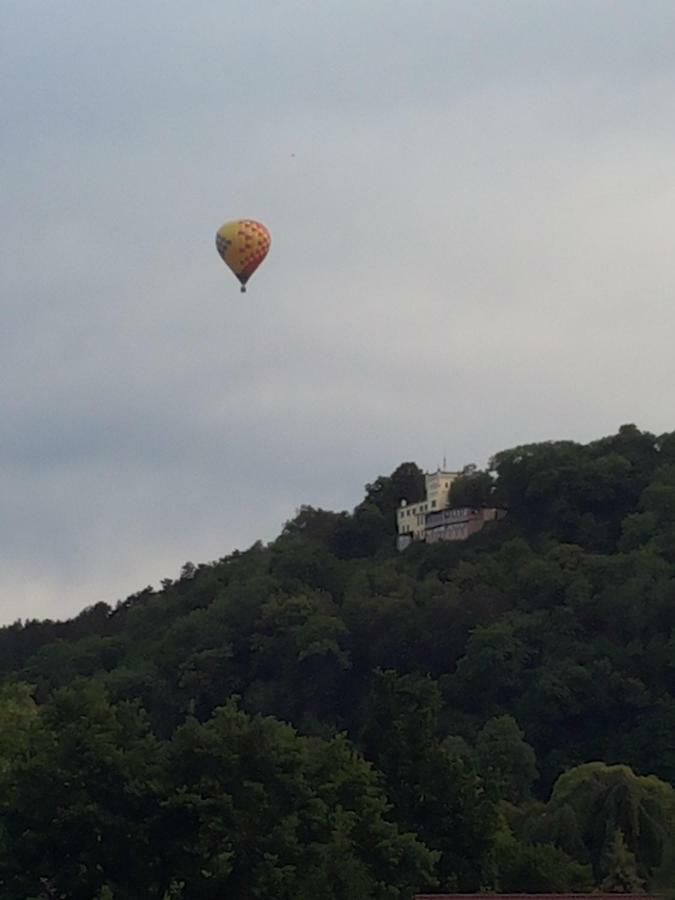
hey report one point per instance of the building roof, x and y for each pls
(578, 896)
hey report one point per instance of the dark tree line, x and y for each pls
(325, 714)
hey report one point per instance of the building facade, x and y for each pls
(459, 523)
(578, 896)
(411, 518)
(433, 519)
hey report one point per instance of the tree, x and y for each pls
(611, 800)
(257, 810)
(562, 621)
(301, 653)
(71, 804)
(621, 868)
(298, 563)
(406, 482)
(537, 867)
(436, 792)
(472, 487)
(491, 674)
(18, 719)
(373, 525)
(319, 525)
(505, 760)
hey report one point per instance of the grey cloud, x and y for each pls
(470, 207)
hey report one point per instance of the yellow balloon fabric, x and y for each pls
(243, 245)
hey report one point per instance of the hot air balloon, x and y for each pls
(243, 245)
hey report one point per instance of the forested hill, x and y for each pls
(325, 717)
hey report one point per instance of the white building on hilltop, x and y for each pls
(433, 519)
(411, 518)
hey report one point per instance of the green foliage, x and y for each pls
(301, 649)
(432, 788)
(421, 692)
(620, 822)
(255, 807)
(621, 867)
(18, 718)
(70, 805)
(472, 487)
(505, 760)
(537, 867)
(373, 526)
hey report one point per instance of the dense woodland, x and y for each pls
(325, 717)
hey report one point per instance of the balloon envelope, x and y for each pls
(243, 245)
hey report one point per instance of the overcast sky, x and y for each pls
(472, 208)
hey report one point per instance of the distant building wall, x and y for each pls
(577, 896)
(437, 486)
(403, 541)
(459, 523)
(411, 518)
